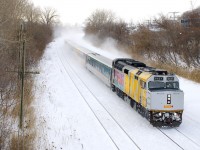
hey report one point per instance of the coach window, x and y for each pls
(92, 62)
(106, 71)
(100, 68)
(96, 65)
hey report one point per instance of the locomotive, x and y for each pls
(153, 93)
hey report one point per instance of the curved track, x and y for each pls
(108, 111)
(170, 138)
(181, 134)
(71, 73)
(187, 137)
(170, 135)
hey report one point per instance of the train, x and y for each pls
(153, 93)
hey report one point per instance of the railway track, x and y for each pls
(170, 138)
(71, 73)
(187, 137)
(182, 134)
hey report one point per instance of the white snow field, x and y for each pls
(76, 111)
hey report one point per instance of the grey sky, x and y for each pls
(76, 11)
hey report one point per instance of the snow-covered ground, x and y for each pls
(76, 111)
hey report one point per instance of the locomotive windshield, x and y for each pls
(162, 85)
(156, 85)
(172, 85)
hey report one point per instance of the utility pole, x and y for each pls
(21, 75)
(148, 23)
(1, 97)
(174, 15)
(22, 70)
(192, 6)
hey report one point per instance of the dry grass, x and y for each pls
(19, 143)
(193, 75)
(16, 97)
(26, 139)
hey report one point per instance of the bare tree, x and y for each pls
(121, 31)
(98, 20)
(32, 14)
(38, 34)
(49, 16)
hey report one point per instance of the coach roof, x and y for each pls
(102, 59)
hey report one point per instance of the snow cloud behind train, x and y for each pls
(76, 36)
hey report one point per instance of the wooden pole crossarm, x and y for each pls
(26, 72)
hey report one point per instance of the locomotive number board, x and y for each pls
(158, 78)
(170, 78)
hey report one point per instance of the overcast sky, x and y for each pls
(76, 11)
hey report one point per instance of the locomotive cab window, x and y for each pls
(156, 85)
(162, 85)
(172, 85)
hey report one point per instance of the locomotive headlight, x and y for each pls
(176, 116)
(168, 98)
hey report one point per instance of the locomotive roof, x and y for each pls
(120, 63)
(102, 59)
(128, 61)
(145, 76)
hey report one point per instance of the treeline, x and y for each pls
(38, 32)
(163, 40)
(103, 24)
